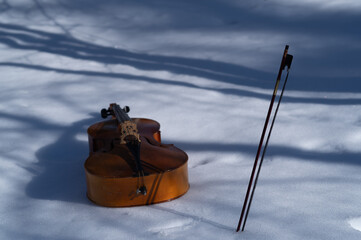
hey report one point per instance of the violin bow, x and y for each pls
(286, 61)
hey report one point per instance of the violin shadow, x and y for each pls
(61, 176)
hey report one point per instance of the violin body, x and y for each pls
(110, 168)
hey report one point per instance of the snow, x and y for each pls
(205, 70)
(356, 223)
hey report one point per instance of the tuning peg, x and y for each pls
(105, 113)
(126, 109)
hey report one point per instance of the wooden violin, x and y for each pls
(129, 166)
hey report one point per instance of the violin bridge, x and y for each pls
(128, 130)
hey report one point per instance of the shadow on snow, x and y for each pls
(20, 37)
(62, 175)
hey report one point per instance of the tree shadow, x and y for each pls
(230, 91)
(62, 176)
(318, 26)
(343, 157)
(20, 37)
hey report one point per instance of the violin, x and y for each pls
(128, 165)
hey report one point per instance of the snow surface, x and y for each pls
(205, 70)
(356, 223)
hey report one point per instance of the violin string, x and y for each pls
(134, 146)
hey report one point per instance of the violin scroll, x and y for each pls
(107, 112)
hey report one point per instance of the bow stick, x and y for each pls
(286, 61)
